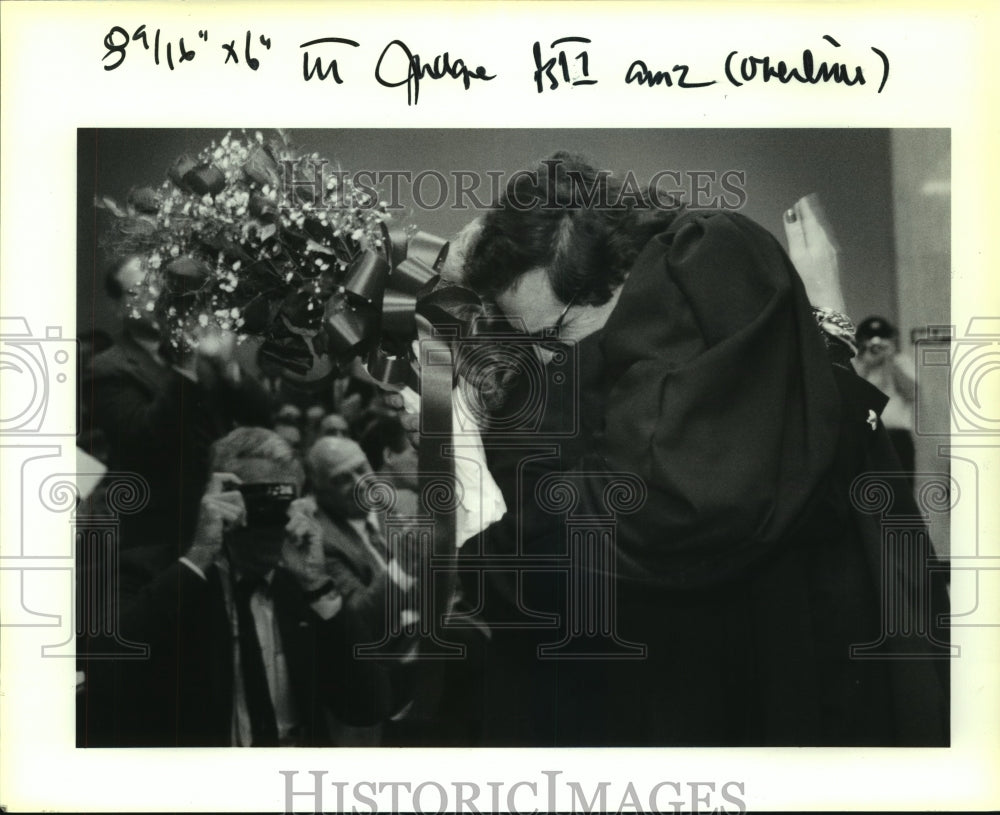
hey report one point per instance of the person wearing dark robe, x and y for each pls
(685, 393)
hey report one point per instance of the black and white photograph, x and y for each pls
(508, 407)
(678, 498)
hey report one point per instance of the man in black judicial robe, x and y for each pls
(748, 572)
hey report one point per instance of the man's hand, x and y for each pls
(814, 252)
(220, 510)
(303, 554)
(212, 361)
(215, 351)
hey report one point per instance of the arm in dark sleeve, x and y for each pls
(356, 690)
(367, 604)
(173, 601)
(137, 700)
(721, 402)
(130, 414)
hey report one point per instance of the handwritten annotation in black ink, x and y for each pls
(118, 40)
(564, 63)
(441, 66)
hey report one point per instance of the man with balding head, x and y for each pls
(363, 571)
(353, 535)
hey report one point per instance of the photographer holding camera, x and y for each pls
(880, 362)
(250, 643)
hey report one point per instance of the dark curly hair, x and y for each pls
(580, 223)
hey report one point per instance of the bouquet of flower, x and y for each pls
(241, 238)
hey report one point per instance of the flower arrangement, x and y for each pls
(239, 238)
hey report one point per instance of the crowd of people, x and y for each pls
(742, 580)
(243, 486)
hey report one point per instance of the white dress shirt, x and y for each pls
(275, 664)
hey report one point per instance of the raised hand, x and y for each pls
(221, 509)
(302, 553)
(814, 252)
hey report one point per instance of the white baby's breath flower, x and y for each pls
(203, 320)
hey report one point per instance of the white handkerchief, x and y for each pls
(481, 500)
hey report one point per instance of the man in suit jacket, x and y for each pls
(361, 566)
(357, 557)
(250, 643)
(159, 414)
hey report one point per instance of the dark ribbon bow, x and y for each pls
(375, 317)
(389, 300)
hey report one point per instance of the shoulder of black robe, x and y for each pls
(721, 400)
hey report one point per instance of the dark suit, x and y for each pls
(183, 694)
(160, 424)
(357, 567)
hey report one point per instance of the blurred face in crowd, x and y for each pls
(352, 406)
(314, 415)
(333, 424)
(335, 467)
(876, 351)
(291, 434)
(288, 414)
(130, 276)
(402, 464)
(255, 549)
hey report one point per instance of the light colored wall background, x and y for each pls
(921, 193)
(850, 170)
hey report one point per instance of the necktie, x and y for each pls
(258, 697)
(376, 540)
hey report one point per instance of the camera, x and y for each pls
(513, 384)
(267, 503)
(36, 370)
